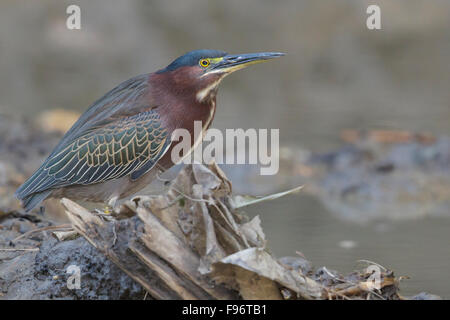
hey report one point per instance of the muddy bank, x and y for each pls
(38, 266)
(23, 147)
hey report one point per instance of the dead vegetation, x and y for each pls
(194, 242)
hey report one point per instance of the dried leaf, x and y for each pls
(254, 233)
(262, 264)
(205, 177)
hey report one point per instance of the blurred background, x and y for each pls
(337, 75)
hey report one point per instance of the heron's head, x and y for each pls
(202, 70)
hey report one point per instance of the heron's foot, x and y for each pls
(108, 210)
(113, 205)
(106, 213)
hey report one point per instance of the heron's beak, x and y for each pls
(231, 63)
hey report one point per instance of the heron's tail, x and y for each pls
(32, 200)
(33, 191)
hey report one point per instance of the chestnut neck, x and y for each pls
(175, 95)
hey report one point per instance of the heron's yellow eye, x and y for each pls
(204, 63)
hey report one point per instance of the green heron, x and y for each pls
(117, 146)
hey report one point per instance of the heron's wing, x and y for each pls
(127, 100)
(131, 145)
(126, 146)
